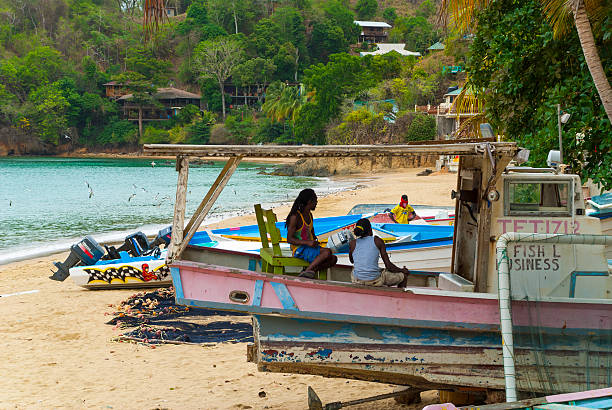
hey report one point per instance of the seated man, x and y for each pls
(301, 236)
(403, 213)
(364, 253)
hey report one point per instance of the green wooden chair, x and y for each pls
(272, 258)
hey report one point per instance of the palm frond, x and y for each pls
(154, 15)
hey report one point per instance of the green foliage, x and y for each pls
(525, 73)
(154, 135)
(366, 9)
(389, 15)
(241, 128)
(326, 39)
(359, 127)
(422, 128)
(150, 67)
(426, 9)
(269, 130)
(48, 112)
(416, 32)
(211, 95)
(341, 16)
(118, 132)
(199, 131)
(188, 114)
(343, 76)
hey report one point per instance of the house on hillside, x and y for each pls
(171, 11)
(373, 31)
(384, 48)
(451, 116)
(114, 89)
(172, 100)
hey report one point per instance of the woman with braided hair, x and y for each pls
(364, 253)
(301, 236)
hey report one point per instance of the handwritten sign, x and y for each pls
(533, 257)
(539, 226)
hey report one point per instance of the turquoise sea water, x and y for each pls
(47, 204)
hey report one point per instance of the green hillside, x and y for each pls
(290, 72)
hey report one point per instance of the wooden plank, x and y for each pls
(303, 151)
(484, 225)
(182, 166)
(215, 191)
(263, 232)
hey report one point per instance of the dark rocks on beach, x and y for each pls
(198, 161)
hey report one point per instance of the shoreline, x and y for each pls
(24, 252)
(62, 352)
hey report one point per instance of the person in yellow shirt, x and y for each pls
(403, 213)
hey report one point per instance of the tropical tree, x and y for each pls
(217, 59)
(558, 13)
(142, 93)
(283, 102)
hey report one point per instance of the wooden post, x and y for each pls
(207, 203)
(484, 218)
(182, 166)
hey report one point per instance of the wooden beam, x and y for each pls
(207, 203)
(304, 151)
(182, 166)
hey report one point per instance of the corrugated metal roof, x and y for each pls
(372, 24)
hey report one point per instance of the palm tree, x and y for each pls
(559, 15)
(284, 102)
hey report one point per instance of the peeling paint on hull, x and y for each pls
(412, 357)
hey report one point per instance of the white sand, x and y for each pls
(57, 351)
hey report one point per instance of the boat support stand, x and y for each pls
(314, 402)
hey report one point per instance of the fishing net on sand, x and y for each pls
(154, 317)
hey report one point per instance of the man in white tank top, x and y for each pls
(364, 253)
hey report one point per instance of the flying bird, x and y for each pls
(91, 193)
(131, 196)
(153, 163)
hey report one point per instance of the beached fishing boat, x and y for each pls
(526, 308)
(435, 215)
(139, 266)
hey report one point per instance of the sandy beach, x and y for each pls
(57, 351)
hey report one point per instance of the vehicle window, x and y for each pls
(533, 198)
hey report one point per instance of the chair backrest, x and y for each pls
(266, 221)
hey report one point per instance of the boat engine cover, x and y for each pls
(339, 241)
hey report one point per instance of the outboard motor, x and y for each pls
(135, 244)
(162, 238)
(86, 252)
(339, 242)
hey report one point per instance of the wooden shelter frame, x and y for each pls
(492, 156)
